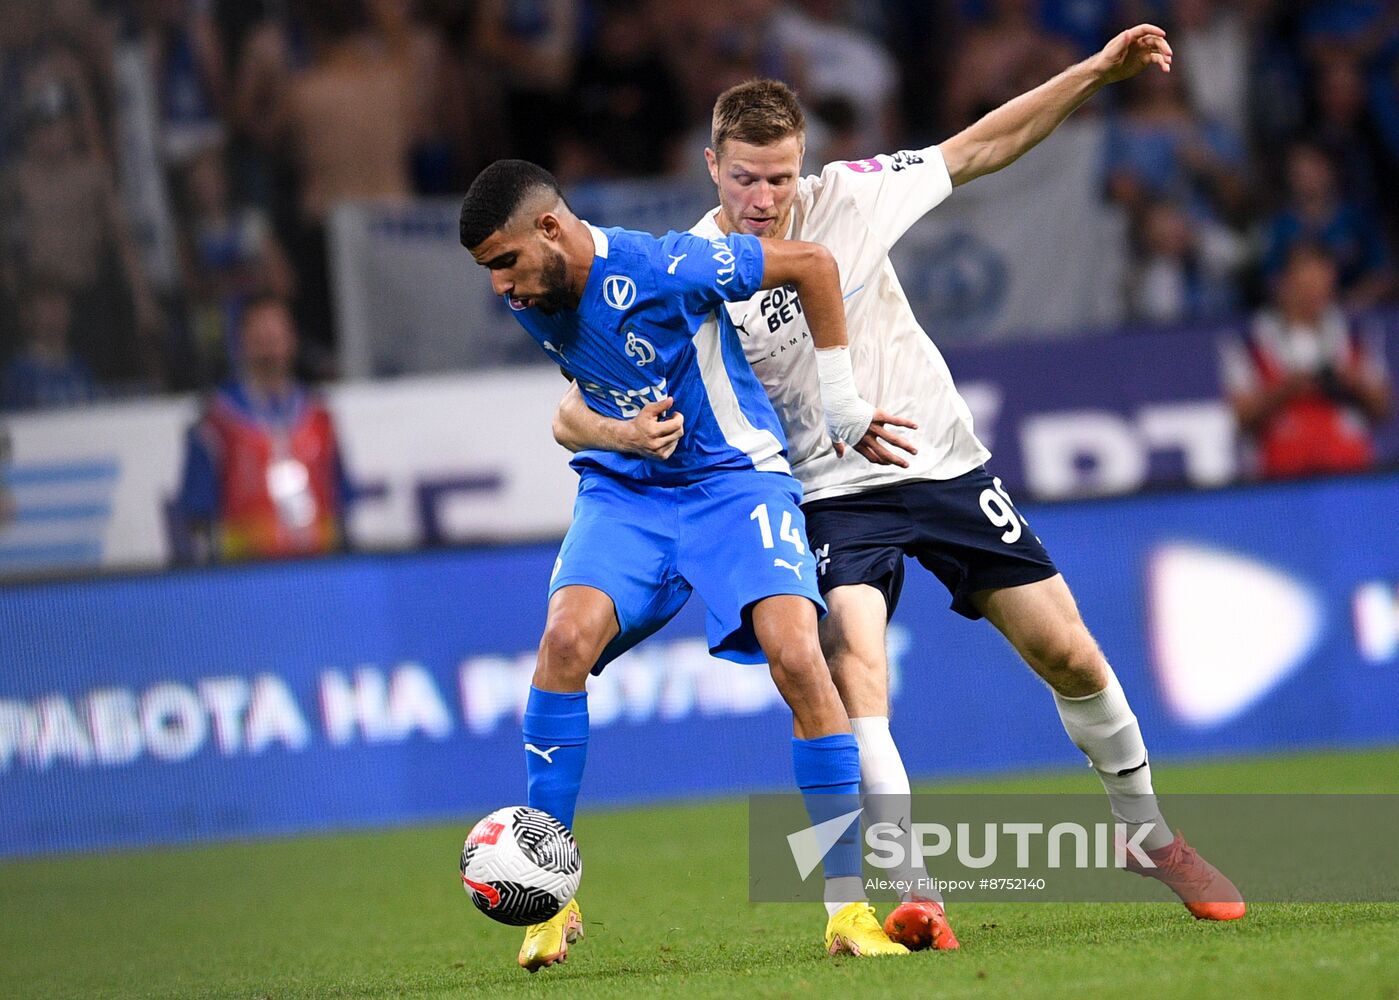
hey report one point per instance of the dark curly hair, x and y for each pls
(495, 195)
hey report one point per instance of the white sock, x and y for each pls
(1103, 727)
(885, 789)
(842, 891)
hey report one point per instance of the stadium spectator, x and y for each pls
(714, 45)
(1338, 123)
(348, 114)
(438, 124)
(621, 117)
(323, 100)
(1276, 80)
(348, 117)
(1001, 56)
(1183, 269)
(263, 473)
(141, 157)
(273, 50)
(46, 373)
(1158, 147)
(472, 92)
(1383, 93)
(1348, 24)
(1382, 99)
(530, 47)
(47, 45)
(1082, 23)
(1306, 385)
(833, 132)
(231, 255)
(841, 62)
(186, 59)
(923, 38)
(1218, 38)
(1317, 212)
(64, 221)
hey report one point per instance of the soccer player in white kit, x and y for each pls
(937, 502)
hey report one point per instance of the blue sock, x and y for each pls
(828, 773)
(556, 747)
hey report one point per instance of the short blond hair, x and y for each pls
(759, 112)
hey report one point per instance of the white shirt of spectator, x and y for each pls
(1300, 350)
(838, 61)
(858, 210)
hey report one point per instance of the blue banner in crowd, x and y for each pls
(386, 689)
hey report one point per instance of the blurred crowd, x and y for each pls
(163, 163)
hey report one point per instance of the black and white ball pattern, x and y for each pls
(520, 865)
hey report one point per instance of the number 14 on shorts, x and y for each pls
(787, 533)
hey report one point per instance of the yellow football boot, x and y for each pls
(547, 943)
(855, 930)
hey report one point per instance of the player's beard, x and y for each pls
(554, 278)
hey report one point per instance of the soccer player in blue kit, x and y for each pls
(639, 322)
(940, 505)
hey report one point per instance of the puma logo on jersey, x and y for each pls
(675, 262)
(546, 754)
(794, 567)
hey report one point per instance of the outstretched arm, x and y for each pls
(1002, 136)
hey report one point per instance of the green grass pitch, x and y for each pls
(666, 914)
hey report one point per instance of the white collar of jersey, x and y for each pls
(599, 240)
(708, 226)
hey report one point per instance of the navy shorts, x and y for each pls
(966, 531)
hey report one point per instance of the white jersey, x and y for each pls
(858, 210)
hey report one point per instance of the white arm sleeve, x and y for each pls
(893, 190)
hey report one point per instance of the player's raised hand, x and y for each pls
(872, 444)
(1133, 51)
(652, 434)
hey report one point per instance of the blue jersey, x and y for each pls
(651, 323)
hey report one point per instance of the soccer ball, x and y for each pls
(520, 866)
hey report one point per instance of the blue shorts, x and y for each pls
(966, 531)
(735, 538)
